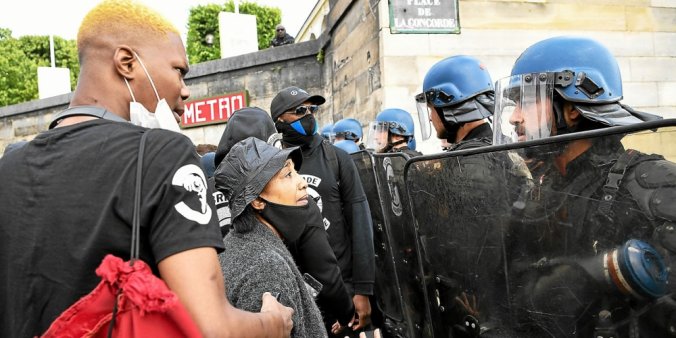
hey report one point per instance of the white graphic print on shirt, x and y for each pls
(191, 178)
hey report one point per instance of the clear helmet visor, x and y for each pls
(377, 136)
(331, 137)
(524, 108)
(423, 116)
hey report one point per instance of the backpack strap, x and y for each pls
(136, 220)
(85, 111)
(330, 152)
(136, 223)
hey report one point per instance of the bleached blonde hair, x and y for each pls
(120, 20)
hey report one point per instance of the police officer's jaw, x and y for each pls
(462, 129)
(527, 122)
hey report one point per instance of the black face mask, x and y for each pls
(300, 132)
(291, 221)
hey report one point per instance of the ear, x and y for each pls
(125, 61)
(571, 115)
(258, 204)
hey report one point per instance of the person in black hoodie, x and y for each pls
(311, 250)
(334, 183)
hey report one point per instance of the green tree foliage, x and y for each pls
(65, 53)
(20, 58)
(18, 74)
(203, 20)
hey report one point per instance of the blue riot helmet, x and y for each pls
(392, 121)
(347, 129)
(459, 89)
(327, 132)
(577, 71)
(411, 143)
(349, 146)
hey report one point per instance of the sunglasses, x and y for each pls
(302, 110)
(280, 30)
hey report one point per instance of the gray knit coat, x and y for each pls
(256, 262)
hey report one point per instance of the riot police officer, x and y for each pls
(392, 132)
(457, 97)
(589, 251)
(349, 129)
(347, 145)
(471, 197)
(327, 132)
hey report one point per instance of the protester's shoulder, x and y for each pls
(121, 132)
(247, 254)
(166, 137)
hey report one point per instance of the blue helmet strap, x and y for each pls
(390, 145)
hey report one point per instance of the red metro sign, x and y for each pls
(212, 110)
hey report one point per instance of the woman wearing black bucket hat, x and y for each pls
(269, 206)
(312, 251)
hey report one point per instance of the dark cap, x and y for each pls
(292, 97)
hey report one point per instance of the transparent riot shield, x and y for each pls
(389, 169)
(529, 240)
(399, 293)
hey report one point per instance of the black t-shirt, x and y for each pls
(67, 201)
(347, 218)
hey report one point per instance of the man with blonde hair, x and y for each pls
(73, 202)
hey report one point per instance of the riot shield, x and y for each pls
(389, 169)
(527, 240)
(399, 294)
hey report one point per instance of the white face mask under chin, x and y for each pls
(162, 118)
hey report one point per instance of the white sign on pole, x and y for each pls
(238, 34)
(53, 81)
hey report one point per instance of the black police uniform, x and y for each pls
(577, 215)
(479, 184)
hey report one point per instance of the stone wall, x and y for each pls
(352, 61)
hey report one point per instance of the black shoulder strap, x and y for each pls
(85, 111)
(333, 159)
(136, 220)
(615, 176)
(136, 224)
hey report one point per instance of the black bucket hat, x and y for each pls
(248, 168)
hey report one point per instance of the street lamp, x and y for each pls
(209, 39)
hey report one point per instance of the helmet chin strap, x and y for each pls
(390, 145)
(559, 112)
